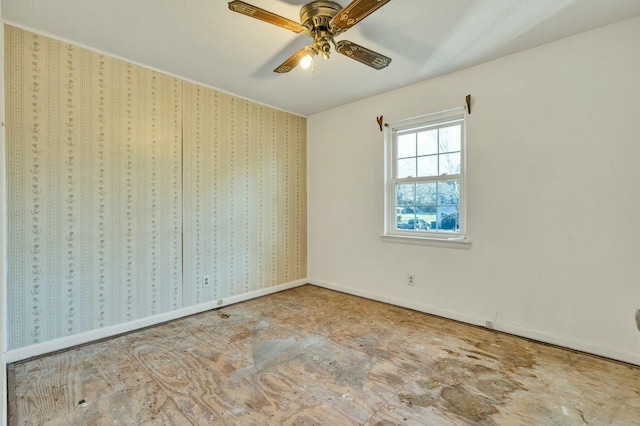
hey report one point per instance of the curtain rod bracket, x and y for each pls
(468, 99)
(379, 120)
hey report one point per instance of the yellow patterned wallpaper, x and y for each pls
(245, 195)
(113, 167)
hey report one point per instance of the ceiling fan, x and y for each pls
(322, 20)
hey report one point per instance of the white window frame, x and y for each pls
(440, 239)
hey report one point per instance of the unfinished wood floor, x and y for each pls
(311, 356)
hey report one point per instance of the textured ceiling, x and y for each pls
(203, 41)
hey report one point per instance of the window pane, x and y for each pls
(450, 164)
(406, 197)
(428, 142)
(448, 219)
(449, 193)
(426, 202)
(407, 168)
(450, 139)
(405, 204)
(426, 194)
(428, 166)
(407, 145)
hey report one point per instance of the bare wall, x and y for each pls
(553, 147)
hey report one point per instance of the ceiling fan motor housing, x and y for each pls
(316, 17)
(318, 13)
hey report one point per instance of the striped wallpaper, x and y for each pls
(126, 187)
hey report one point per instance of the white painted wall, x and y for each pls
(553, 196)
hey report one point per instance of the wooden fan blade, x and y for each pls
(294, 60)
(266, 16)
(362, 54)
(353, 13)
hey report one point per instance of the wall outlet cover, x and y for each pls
(638, 318)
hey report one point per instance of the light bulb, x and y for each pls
(306, 61)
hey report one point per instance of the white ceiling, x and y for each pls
(203, 41)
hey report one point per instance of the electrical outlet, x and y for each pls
(411, 279)
(489, 324)
(638, 318)
(206, 281)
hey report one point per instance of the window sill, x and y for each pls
(455, 243)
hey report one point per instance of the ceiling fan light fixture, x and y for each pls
(306, 61)
(321, 20)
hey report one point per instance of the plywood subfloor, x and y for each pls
(311, 356)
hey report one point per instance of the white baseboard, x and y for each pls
(39, 349)
(62, 343)
(590, 348)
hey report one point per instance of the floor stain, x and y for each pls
(433, 384)
(269, 349)
(483, 354)
(424, 400)
(499, 389)
(352, 375)
(467, 405)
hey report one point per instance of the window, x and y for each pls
(424, 193)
